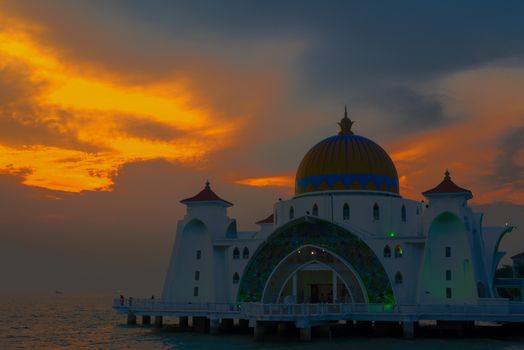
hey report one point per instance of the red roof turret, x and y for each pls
(268, 220)
(447, 187)
(206, 195)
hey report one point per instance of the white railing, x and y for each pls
(160, 305)
(488, 307)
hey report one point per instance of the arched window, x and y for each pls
(315, 210)
(398, 277)
(403, 213)
(387, 252)
(345, 212)
(398, 251)
(236, 254)
(418, 212)
(236, 278)
(276, 217)
(245, 253)
(376, 212)
(291, 213)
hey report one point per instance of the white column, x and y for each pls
(334, 286)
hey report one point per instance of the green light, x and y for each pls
(391, 234)
(388, 307)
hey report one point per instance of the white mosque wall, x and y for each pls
(422, 237)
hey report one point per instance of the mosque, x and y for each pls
(347, 236)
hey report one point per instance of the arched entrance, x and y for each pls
(355, 262)
(312, 274)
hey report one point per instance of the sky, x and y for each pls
(112, 111)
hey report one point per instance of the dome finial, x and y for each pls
(447, 175)
(207, 184)
(345, 124)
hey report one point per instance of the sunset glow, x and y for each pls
(100, 121)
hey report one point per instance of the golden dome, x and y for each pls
(346, 162)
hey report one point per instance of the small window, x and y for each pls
(398, 251)
(198, 254)
(197, 275)
(418, 211)
(345, 212)
(291, 213)
(403, 213)
(315, 210)
(398, 278)
(245, 253)
(276, 217)
(448, 275)
(195, 291)
(236, 278)
(448, 252)
(387, 252)
(376, 212)
(236, 254)
(448, 293)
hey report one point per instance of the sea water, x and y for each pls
(66, 321)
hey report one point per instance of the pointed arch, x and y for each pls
(376, 212)
(398, 251)
(398, 278)
(345, 212)
(387, 251)
(325, 235)
(315, 210)
(291, 213)
(245, 253)
(232, 230)
(236, 278)
(236, 254)
(403, 213)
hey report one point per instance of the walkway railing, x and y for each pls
(484, 307)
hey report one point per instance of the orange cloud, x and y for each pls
(95, 111)
(270, 181)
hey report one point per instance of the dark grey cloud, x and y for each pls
(507, 169)
(409, 110)
(359, 52)
(372, 52)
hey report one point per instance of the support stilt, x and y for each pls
(183, 322)
(214, 326)
(408, 329)
(258, 332)
(131, 319)
(146, 320)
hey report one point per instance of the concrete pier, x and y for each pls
(159, 321)
(146, 320)
(183, 322)
(214, 326)
(259, 331)
(131, 319)
(408, 329)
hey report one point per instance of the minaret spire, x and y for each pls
(345, 123)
